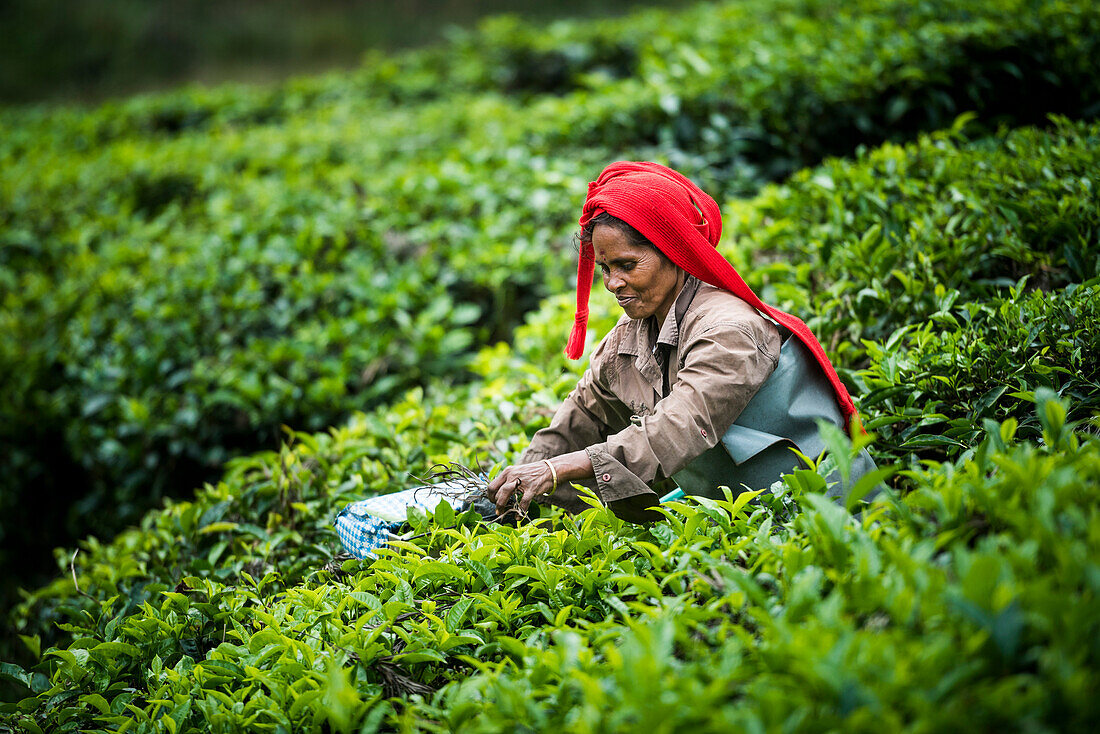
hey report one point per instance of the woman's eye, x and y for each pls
(628, 266)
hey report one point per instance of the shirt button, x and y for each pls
(606, 477)
(703, 431)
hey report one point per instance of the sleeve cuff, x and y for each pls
(614, 482)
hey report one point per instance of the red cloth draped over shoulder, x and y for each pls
(685, 224)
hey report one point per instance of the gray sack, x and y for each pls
(756, 449)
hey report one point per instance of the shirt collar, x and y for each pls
(644, 334)
(669, 333)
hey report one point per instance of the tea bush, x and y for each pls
(760, 89)
(938, 223)
(963, 596)
(184, 273)
(168, 335)
(967, 600)
(950, 280)
(934, 385)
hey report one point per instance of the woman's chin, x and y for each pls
(634, 310)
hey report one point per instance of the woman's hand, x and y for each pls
(528, 480)
(535, 479)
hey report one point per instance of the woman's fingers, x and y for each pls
(528, 495)
(498, 480)
(505, 492)
(530, 480)
(497, 486)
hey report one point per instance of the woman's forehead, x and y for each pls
(611, 244)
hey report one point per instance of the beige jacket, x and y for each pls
(639, 423)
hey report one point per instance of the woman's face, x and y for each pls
(644, 283)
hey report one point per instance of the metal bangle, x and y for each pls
(554, 474)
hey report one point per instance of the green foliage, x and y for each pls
(970, 599)
(964, 594)
(908, 233)
(941, 610)
(182, 317)
(934, 385)
(751, 90)
(952, 280)
(56, 50)
(182, 274)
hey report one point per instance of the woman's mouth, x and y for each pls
(624, 300)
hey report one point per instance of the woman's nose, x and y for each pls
(613, 282)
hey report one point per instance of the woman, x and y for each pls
(686, 385)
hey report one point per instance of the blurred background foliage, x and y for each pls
(89, 50)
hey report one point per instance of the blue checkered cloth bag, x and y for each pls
(367, 525)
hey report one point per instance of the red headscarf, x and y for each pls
(685, 224)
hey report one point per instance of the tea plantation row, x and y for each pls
(963, 597)
(184, 273)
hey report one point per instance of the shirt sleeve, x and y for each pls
(579, 422)
(586, 417)
(723, 367)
